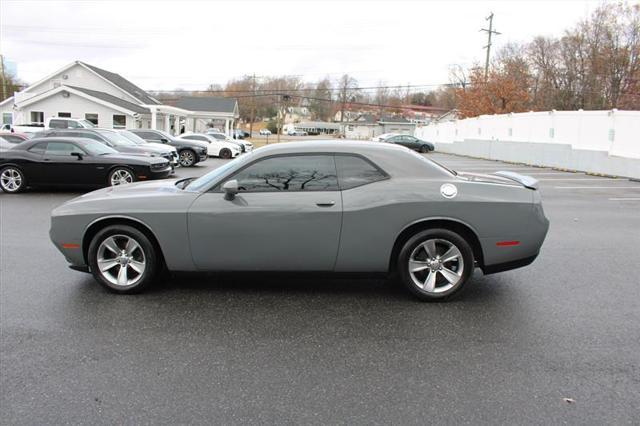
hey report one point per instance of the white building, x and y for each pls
(107, 99)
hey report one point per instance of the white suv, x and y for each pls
(67, 123)
(216, 148)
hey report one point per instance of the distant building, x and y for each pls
(81, 90)
(367, 126)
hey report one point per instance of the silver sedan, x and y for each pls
(337, 206)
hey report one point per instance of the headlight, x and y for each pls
(160, 165)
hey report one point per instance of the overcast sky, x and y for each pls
(189, 45)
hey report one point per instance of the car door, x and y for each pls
(411, 142)
(62, 167)
(286, 216)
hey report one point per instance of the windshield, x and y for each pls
(133, 137)
(212, 176)
(97, 148)
(87, 124)
(116, 138)
(430, 161)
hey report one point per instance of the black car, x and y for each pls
(411, 142)
(190, 152)
(74, 162)
(111, 138)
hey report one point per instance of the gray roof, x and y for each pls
(207, 103)
(393, 119)
(112, 100)
(124, 84)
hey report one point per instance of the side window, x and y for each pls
(356, 171)
(58, 124)
(290, 173)
(62, 148)
(74, 125)
(38, 148)
(147, 135)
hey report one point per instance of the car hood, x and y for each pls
(158, 147)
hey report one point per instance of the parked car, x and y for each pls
(67, 123)
(265, 132)
(383, 137)
(190, 153)
(297, 133)
(63, 161)
(241, 134)
(313, 206)
(9, 140)
(112, 139)
(243, 145)
(27, 129)
(411, 142)
(5, 128)
(217, 148)
(167, 150)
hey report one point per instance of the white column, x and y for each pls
(167, 123)
(153, 118)
(226, 127)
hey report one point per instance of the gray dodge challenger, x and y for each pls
(334, 206)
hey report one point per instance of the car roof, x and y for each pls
(329, 145)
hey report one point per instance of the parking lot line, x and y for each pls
(597, 187)
(584, 179)
(625, 199)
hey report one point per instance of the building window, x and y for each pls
(119, 121)
(37, 117)
(64, 114)
(7, 118)
(92, 118)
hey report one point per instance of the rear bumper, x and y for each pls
(506, 266)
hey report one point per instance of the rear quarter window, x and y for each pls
(355, 171)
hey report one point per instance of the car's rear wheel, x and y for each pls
(187, 158)
(435, 264)
(12, 180)
(122, 259)
(121, 176)
(225, 153)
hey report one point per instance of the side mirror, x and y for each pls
(230, 189)
(163, 140)
(77, 154)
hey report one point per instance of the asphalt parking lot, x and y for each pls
(223, 349)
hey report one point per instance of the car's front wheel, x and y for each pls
(12, 180)
(122, 259)
(121, 176)
(225, 153)
(187, 158)
(435, 264)
(424, 149)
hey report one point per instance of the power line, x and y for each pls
(334, 89)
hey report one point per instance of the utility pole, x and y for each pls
(489, 32)
(344, 99)
(253, 107)
(4, 79)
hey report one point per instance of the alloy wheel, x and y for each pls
(121, 260)
(436, 266)
(121, 177)
(11, 180)
(186, 158)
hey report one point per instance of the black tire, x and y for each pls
(148, 256)
(225, 153)
(120, 171)
(424, 149)
(12, 180)
(463, 268)
(187, 158)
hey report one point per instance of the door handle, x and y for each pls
(326, 204)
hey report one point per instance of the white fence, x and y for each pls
(591, 141)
